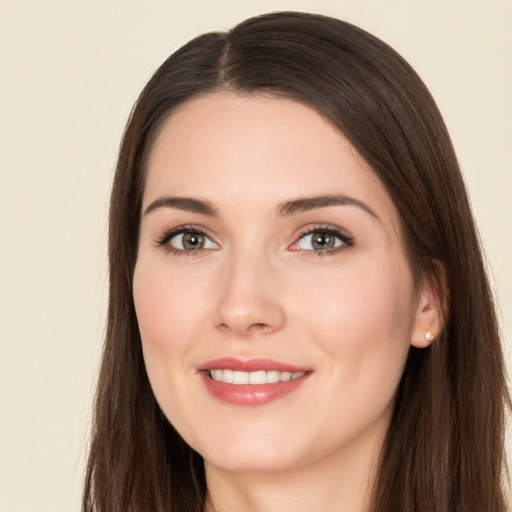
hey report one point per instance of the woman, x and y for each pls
(299, 315)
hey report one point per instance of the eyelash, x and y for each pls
(346, 239)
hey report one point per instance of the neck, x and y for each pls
(339, 482)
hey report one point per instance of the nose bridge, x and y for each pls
(248, 297)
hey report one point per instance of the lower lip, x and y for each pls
(251, 395)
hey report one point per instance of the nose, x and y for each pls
(248, 299)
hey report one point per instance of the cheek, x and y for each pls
(361, 322)
(165, 305)
(168, 316)
(363, 317)
(379, 304)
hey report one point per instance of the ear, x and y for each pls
(431, 311)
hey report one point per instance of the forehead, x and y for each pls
(257, 149)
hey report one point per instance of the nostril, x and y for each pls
(258, 326)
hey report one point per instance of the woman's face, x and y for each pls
(270, 255)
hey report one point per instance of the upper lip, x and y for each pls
(250, 365)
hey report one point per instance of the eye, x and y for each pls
(183, 239)
(322, 240)
(319, 241)
(191, 241)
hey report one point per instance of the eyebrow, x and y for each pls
(312, 203)
(300, 205)
(187, 204)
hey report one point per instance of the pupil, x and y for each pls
(323, 241)
(193, 241)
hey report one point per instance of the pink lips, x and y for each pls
(250, 394)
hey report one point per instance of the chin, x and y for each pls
(251, 455)
(250, 461)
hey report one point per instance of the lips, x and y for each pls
(251, 382)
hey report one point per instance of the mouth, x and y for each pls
(252, 378)
(251, 382)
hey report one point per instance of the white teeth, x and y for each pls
(240, 377)
(273, 377)
(258, 377)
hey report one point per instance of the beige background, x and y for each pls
(69, 73)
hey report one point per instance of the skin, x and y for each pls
(260, 289)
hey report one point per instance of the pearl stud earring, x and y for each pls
(428, 336)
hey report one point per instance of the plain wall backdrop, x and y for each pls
(69, 74)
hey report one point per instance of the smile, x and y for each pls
(253, 378)
(252, 382)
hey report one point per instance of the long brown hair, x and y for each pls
(444, 451)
